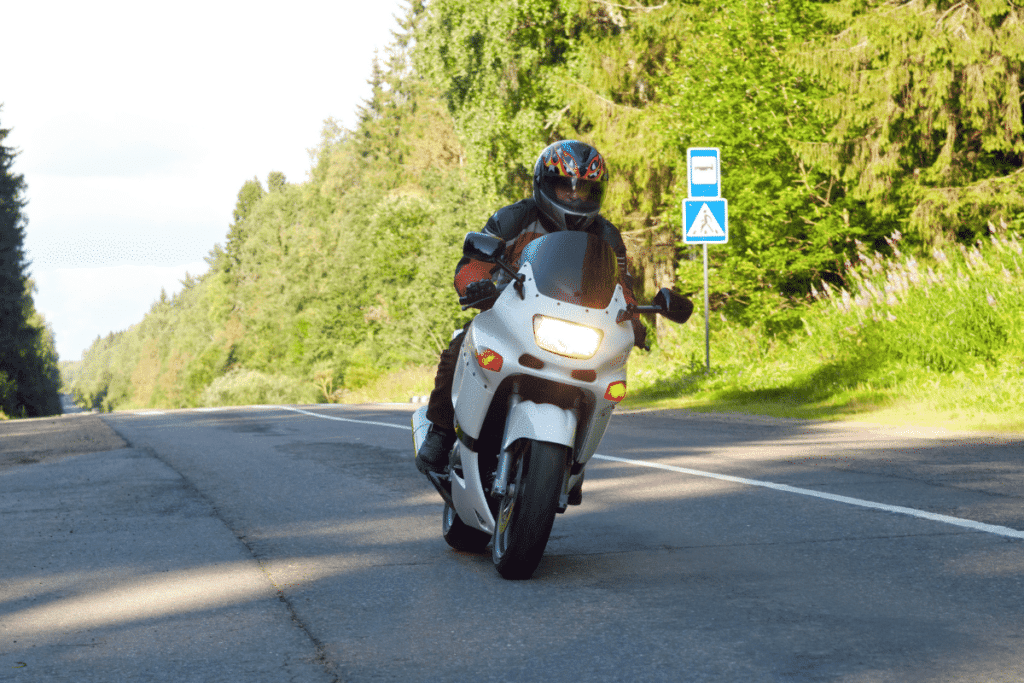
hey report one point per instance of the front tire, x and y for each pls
(527, 511)
(460, 535)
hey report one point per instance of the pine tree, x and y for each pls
(250, 194)
(12, 235)
(29, 379)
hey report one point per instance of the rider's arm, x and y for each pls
(506, 223)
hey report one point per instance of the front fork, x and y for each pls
(505, 458)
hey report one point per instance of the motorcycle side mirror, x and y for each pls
(491, 249)
(481, 247)
(673, 306)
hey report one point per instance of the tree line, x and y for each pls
(29, 377)
(838, 122)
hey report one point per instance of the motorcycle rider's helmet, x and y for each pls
(569, 182)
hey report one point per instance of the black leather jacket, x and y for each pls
(510, 222)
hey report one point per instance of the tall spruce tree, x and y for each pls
(924, 98)
(29, 378)
(250, 194)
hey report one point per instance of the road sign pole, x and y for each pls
(707, 316)
(705, 218)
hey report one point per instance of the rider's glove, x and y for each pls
(480, 294)
(639, 329)
(640, 335)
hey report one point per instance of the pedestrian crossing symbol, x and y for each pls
(706, 220)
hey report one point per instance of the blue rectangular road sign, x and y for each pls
(704, 172)
(705, 221)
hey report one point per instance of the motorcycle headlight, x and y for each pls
(566, 338)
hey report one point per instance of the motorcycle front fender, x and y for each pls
(540, 422)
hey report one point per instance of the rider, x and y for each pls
(569, 181)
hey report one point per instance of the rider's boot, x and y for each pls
(433, 454)
(576, 493)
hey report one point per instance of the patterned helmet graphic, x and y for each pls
(574, 159)
(569, 181)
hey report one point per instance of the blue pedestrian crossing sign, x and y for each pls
(705, 221)
(704, 172)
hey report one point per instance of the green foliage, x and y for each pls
(734, 89)
(248, 197)
(249, 387)
(28, 358)
(497, 71)
(276, 181)
(609, 84)
(964, 310)
(934, 335)
(7, 388)
(69, 370)
(923, 100)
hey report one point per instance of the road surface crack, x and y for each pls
(320, 650)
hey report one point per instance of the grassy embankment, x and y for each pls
(936, 341)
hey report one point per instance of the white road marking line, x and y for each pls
(1006, 532)
(896, 509)
(345, 419)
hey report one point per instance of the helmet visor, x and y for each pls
(578, 195)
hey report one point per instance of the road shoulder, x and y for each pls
(34, 440)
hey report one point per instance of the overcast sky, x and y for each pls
(137, 123)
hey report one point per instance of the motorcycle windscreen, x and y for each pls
(574, 267)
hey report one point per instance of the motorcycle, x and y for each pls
(538, 377)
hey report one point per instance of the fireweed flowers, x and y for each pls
(963, 308)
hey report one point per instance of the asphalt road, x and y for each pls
(270, 544)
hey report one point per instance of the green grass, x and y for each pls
(929, 342)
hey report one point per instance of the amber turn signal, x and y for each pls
(616, 391)
(489, 360)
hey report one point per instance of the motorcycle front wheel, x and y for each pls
(527, 511)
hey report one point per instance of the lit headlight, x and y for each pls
(566, 338)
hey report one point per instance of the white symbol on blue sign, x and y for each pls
(706, 220)
(704, 172)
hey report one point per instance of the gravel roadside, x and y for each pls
(34, 440)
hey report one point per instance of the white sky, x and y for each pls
(137, 124)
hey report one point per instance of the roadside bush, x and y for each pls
(932, 334)
(250, 387)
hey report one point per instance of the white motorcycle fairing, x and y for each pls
(542, 396)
